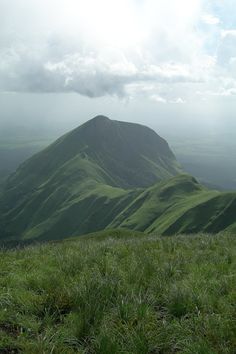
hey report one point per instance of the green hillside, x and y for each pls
(116, 153)
(83, 180)
(108, 174)
(120, 292)
(180, 205)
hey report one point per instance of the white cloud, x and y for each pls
(226, 53)
(178, 100)
(222, 92)
(154, 48)
(227, 88)
(210, 19)
(93, 74)
(158, 99)
(228, 33)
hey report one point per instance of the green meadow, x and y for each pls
(120, 292)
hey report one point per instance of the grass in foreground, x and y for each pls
(120, 293)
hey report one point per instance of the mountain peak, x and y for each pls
(127, 154)
(96, 123)
(80, 171)
(98, 119)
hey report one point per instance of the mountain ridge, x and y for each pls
(108, 174)
(100, 159)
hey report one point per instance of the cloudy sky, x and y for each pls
(153, 61)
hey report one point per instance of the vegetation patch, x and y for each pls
(120, 292)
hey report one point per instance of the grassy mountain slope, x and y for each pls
(120, 292)
(101, 176)
(81, 182)
(128, 155)
(180, 205)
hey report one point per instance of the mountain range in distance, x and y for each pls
(108, 174)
